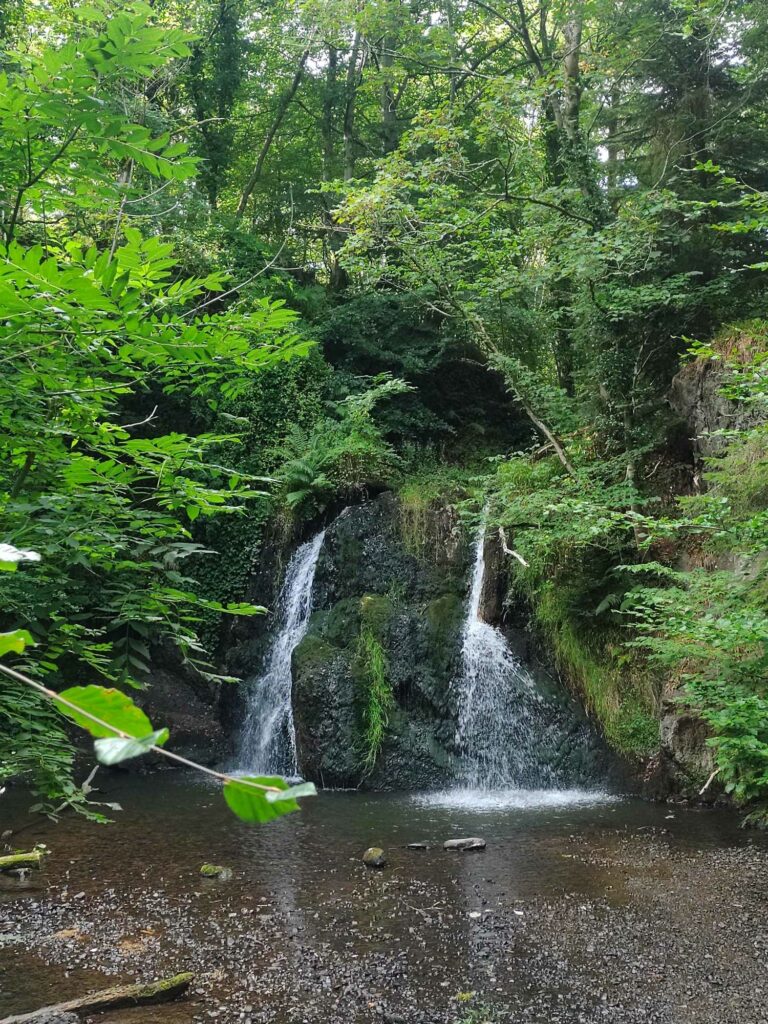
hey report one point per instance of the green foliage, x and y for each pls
(707, 626)
(259, 806)
(114, 750)
(123, 731)
(339, 456)
(377, 699)
(34, 748)
(535, 212)
(427, 485)
(99, 331)
(99, 705)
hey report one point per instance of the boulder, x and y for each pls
(374, 857)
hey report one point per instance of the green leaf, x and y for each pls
(118, 712)
(115, 750)
(293, 793)
(254, 805)
(15, 642)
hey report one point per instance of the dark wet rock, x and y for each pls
(368, 574)
(418, 846)
(470, 843)
(186, 703)
(696, 395)
(374, 857)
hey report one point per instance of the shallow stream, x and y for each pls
(583, 907)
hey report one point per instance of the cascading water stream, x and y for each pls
(268, 738)
(500, 721)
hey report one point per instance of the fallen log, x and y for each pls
(120, 997)
(14, 861)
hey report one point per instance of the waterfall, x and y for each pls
(502, 719)
(268, 738)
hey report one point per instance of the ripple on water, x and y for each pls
(514, 799)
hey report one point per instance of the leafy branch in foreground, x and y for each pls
(123, 731)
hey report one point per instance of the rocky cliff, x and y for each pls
(411, 602)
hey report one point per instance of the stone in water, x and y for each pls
(471, 843)
(374, 857)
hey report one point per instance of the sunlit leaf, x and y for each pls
(253, 805)
(114, 750)
(15, 642)
(110, 706)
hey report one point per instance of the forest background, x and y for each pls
(259, 259)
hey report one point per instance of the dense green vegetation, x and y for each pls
(259, 260)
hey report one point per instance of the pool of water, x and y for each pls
(303, 931)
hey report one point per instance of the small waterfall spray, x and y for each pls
(268, 738)
(500, 710)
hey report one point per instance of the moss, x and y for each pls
(377, 697)
(444, 614)
(215, 871)
(313, 652)
(623, 702)
(175, 985)
(436, 486)
(340, 624)
(376, 611)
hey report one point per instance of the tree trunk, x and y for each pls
(388, 101)
(329, 105)
(349, 109)
(282, 109)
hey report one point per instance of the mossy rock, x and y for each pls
(445, 614)
(216, 871)
(312, 653)
(339, 624)
(374, 857)
(376, 611)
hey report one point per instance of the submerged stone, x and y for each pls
(216, 871)
(470, 843)
(374, 857)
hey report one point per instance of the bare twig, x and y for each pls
(709, 781)
(508, 550)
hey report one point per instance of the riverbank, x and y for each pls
(605, 910)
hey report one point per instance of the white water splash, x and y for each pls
(513, 799)
(500, 718)
(268, 738)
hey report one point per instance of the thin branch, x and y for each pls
(58, 699)
(282, 109)
(139, 423)
(709, 781)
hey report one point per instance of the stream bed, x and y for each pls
(582, 908)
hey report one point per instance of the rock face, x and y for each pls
(188, 705)
(696, 396)
(412, 605)
(687, 760)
